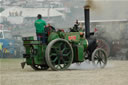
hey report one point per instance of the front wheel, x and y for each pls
(99, 58)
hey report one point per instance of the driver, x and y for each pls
(40, 26)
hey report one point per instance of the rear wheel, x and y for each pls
(99, 58)
(59, 54)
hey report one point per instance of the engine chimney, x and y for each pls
(87, 21)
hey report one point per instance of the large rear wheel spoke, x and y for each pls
(60, 66)
(53, 54)
(55, 59)
(65, 61)
(63, 49)
(67, 54)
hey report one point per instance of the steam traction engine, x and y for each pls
(63, 49)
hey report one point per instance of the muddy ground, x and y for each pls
(115, 73)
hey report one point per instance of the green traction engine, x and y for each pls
(62, 49)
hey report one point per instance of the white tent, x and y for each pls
(30, 12)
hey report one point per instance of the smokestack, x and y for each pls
(87, 21)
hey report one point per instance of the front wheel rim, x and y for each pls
(99, 58)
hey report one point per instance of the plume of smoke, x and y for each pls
(90, 4)
(93, 5)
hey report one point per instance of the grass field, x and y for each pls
(116, 73)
